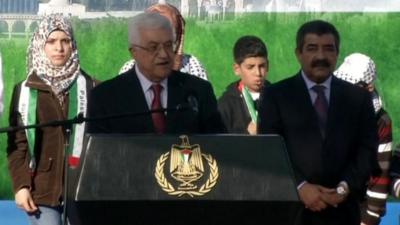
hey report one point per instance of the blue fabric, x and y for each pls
(392, 216)
(11, 215)
(46, 216)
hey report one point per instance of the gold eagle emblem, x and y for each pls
(186, 168)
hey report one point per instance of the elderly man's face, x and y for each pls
(318, 56)
(154, 54)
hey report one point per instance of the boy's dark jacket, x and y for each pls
(233, 109)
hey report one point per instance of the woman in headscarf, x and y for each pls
(55, 89)
(183, 62)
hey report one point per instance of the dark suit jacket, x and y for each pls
(349, 150)
(123, 94)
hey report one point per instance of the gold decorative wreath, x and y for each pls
(205, 188)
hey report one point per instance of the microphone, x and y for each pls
(190, 100)
(193, 103)
(190, 103)
(182, 107)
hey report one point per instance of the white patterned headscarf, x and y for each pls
(358, 68)
(58, 78)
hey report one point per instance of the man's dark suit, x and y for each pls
(124, 94)
(346, 154)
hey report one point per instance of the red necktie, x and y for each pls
(158, 117)
(321, 106)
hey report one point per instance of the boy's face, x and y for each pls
(252, 72)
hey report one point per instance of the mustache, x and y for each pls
(321, 62)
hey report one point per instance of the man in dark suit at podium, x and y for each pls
(189, 101)
(328, 126)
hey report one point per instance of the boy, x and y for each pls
(239, 103)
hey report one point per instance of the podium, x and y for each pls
(200, 179)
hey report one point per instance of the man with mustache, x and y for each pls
(154, 85)
(328, 126)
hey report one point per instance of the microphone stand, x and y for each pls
(67, 129)
(67, 134)
(80, 119)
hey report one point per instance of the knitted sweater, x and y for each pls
(374, 206)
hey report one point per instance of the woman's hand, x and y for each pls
(23, 199)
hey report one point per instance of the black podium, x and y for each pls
(210, 179)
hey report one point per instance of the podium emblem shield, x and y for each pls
(191, 172)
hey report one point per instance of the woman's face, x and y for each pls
(58, 48)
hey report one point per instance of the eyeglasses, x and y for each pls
(156, 47)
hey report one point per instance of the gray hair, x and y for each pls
(147, 21)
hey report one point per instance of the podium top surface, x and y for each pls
(199, 167)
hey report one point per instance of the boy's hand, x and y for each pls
(252, 128)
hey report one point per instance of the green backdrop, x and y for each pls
(103, 50)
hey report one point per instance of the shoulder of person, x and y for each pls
(354, 90)
(19, 84)
(16, 95)
(267, 83)
(112, 86)
(282, 85)
(185, 78)
(231, 91)
(17, 87)
(93, 82)
(384, 121)
(118, 79)
(190, 58)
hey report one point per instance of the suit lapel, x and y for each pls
(175, 97)
(137, 102)
(136, 92)
(334, 106)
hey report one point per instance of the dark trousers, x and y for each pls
(347, 213)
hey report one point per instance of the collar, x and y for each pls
(33, 81)
(146, 83)
(310, 83)
(254, 95)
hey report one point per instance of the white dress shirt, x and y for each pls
(148, 92)
(310, 84)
